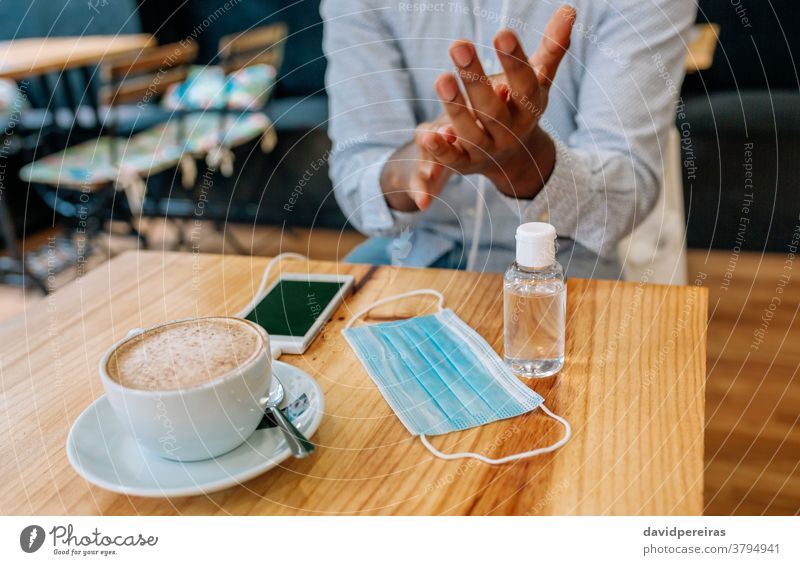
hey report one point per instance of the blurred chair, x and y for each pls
(241, 54)
(81, 181)
(226, 103)
(297, 108)
(224, 109)
(259, 46)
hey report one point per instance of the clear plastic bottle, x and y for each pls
(535, 300)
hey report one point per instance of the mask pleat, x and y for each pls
(477, 375)
(405, 394)
(473, 406)
(438, 374)
(448, 404)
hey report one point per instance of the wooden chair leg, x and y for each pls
(180, 242)
(15, 264)
(138, 234)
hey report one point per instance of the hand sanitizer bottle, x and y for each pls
(535, 302)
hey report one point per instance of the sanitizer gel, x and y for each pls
(535, 302)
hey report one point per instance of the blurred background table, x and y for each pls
(21, 58)
(633, 389)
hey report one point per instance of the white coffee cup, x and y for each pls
(198, 422)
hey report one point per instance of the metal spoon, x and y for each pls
(298, 443)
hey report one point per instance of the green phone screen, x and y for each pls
(292, 307)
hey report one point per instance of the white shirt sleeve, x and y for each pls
(608, 173)
(370, 114)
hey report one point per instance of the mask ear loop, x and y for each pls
(466, 455)
(382, 301)
(508, 459)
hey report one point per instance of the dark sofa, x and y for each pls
(742, 156)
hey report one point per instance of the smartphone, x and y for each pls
(296, 306)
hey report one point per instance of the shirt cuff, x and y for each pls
(558, 202)
(377, 218)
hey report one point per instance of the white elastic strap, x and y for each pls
(264, 278)
(382, 301)
(472, 258)
(508, 459)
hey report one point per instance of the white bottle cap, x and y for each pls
(536, 245)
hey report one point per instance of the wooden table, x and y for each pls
(21, 58)
(632, 387)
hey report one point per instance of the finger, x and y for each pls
(448, 133)
(502, 91)
(425, 159)
(429, 170)
(419, 192)
(462, 120)
(443, 152)
(488, 108)
(422, 187)
(554, 45)
(522, 82)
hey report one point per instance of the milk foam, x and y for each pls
(184, 354)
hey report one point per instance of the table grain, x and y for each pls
(632, 387)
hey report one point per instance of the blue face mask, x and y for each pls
(440, 376)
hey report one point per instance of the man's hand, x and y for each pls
(412, 177)
(496, 125)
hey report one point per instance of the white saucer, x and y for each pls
(105, 454)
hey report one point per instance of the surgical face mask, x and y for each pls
(440, 376)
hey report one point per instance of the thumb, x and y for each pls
(419, 191)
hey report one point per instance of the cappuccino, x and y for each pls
(184, 354)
